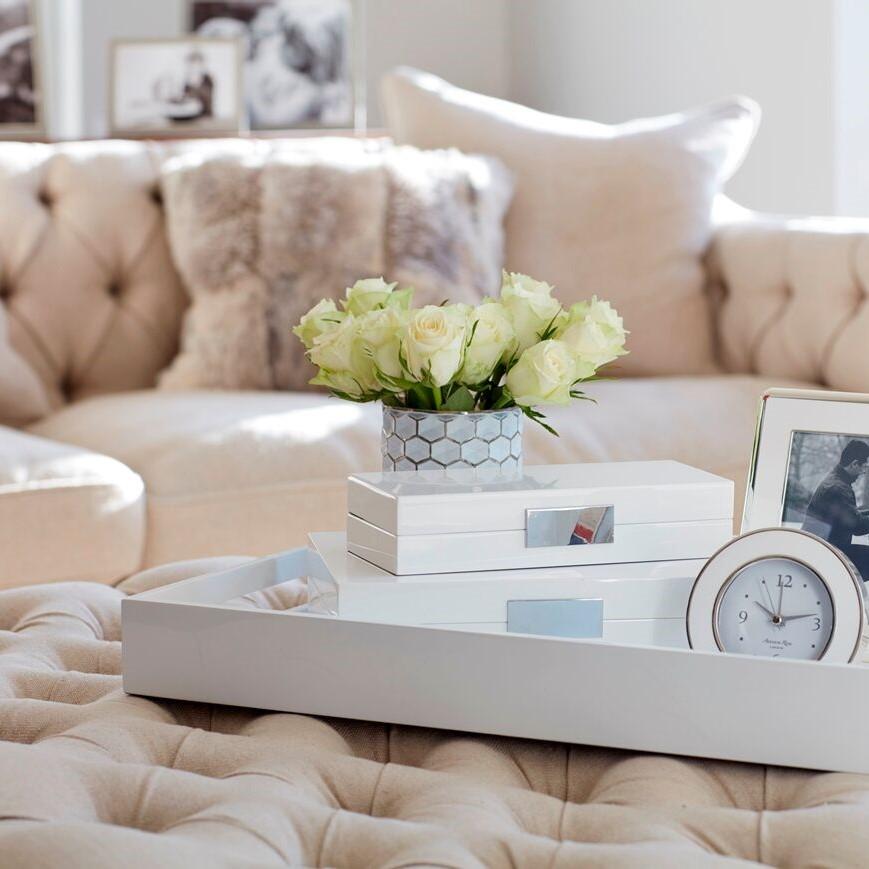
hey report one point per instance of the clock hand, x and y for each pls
(781, 591)
(768, 595)
(770, 613)
(801, 616)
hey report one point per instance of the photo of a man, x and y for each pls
(827, 491)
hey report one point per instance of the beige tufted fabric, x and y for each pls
(794, 299)
(90, 777)
(93, 301)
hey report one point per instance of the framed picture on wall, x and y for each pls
(810, 469)
(299, 66)
(176, 87)
(21, 114)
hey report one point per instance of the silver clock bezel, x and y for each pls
(729, 581)
(839, 576)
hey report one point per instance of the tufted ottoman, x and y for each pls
(92, 777)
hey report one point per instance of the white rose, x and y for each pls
(530, 305)
(380, 334)
(323, 317)
(544, 374)
(595, 333)
(493, 339)
(366, 295)
(434, 343)
(343, 363)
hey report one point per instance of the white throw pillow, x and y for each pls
(622, 211)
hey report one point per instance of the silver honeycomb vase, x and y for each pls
(415, 440)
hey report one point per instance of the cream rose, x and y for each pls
(434, 343)
(544, 374)
(530, 305)
(493, 339)
(323, 317)
(343, 363)
(366, 295)
(380, 334)
(595, 333)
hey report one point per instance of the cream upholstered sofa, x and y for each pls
(118, 475)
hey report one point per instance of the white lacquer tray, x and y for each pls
(185, 641)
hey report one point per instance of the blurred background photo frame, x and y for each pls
(810, 469)
(188, 87)
(21, 109)
(301, 59)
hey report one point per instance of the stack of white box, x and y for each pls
(605, 551)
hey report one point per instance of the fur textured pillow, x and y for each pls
(260, 238)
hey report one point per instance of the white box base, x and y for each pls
(184, 642)
(643, 603)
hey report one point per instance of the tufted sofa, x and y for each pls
(111, 475)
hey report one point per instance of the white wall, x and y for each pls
(465, 40)
(619, 59)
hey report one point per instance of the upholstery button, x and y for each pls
(114, 290)
(157, 197)
(44, 198)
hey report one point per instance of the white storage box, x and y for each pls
(636, 603)
(411, 522)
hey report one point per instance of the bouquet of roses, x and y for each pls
(520, 350)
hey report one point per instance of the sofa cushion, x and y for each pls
(97, 778)
(93, 301)
(66, 513)
(621, 211)
(260, 241)
(253, 473)
(22, 396)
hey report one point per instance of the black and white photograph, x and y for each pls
(827, 491)
(176, 87)
(298, 68)
(19, 95)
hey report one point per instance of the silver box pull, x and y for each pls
(570, 526)
(579, 619)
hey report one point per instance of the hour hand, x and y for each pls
(801, 616)
(770, 613)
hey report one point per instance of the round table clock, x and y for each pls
(778, 593)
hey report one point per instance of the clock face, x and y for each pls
(774, 608)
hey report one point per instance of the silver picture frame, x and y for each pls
(787, 418)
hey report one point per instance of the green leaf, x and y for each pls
(550, 329)
(460, 399)
(538, 417)
(419, 398)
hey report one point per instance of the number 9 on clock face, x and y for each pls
(775, 608)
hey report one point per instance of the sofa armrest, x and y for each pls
(66, 513)
(791, 297)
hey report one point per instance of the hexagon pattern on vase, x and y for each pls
(419, 440)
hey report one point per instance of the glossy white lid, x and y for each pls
(468, 500)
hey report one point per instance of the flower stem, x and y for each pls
(438, 398)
